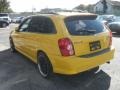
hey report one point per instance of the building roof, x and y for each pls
(115, 3)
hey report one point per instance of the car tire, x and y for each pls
(93, 70)
(4, 25)
(44, 65)
(12, 46)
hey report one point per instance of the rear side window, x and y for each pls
(78, 26)
(40, 24)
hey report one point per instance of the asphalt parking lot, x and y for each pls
(19, 73)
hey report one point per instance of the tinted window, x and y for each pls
(41, 24)
(77, 26)
(24, 25)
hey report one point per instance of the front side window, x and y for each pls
(24, 26)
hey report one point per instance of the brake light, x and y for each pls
(110, 35)
(110, 42)
(66, 47)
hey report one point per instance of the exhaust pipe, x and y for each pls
(108, 62)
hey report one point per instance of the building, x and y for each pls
(113, 7)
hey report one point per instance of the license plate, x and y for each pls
(95, 45)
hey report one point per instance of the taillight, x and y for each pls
(66, 47)
(110, 35)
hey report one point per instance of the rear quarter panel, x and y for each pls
(48, 43)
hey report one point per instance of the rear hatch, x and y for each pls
(87, 34)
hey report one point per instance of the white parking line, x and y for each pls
(3, 47)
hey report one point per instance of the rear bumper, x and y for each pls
(73, 65)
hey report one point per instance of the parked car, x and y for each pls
(5, 17)
(114, 27)
(3, 24)
(106, 18)
(63, 42)
(17, 19)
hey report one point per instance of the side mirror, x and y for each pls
(16, 29)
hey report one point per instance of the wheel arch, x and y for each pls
(41, 51)
(50, 71)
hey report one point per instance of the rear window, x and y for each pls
(83, 26)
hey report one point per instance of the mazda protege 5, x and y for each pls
(63, 42)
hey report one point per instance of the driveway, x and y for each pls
(18, 73)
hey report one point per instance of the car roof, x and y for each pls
(65, 14)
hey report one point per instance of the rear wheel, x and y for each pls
(12, 47)
(44, 65)
(93, 70)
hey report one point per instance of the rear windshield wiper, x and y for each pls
(91, 31)
(86, 32)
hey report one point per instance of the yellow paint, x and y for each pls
(30, 43)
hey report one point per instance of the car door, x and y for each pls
(19, 36)
(40, 33)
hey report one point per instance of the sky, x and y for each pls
(28, 5)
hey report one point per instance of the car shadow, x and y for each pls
(22, 74)
(84, 81)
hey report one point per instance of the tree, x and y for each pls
(9, 10)
(90, 8)
(81, 7)
(4, 6)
